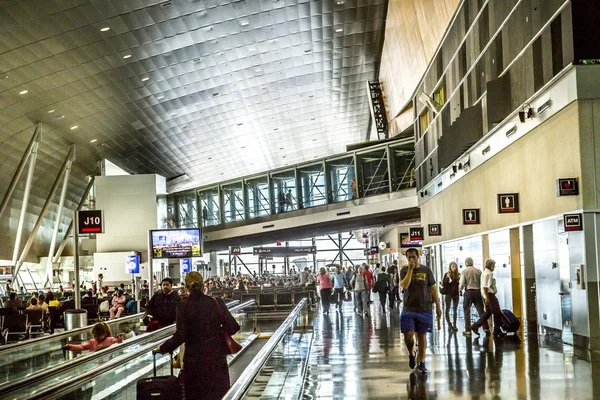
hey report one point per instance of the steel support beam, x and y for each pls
(65, 240)
(28, 182)
(44, 210)
(35, 139)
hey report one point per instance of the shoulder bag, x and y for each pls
(231, 346)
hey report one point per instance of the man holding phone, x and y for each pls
(420, 291)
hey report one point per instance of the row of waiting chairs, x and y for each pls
(21, 325)
(275, 299)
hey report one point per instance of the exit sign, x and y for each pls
(90, 221)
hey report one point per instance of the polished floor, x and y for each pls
(354, 357)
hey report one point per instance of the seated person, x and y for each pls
(102, 339)
(34, 305)
(12, 302)
(118, 304)
(34, 295)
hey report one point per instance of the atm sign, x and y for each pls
(573, 222)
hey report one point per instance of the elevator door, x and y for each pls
(547, 274)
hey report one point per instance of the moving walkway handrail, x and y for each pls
(57, 369)
(239, 388)
(65, 334)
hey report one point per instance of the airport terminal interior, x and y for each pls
(394, 199)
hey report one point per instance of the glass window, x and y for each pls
(233, 202)
(404, 166)
(286, 195)
(312, 183)
(209, 204)
(342, 180)
(187, 214)
(257, 191)
(374, 168)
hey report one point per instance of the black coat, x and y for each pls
(199, 326)
(163, 307)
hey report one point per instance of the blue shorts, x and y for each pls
(419, 322)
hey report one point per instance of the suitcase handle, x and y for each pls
(154, 353)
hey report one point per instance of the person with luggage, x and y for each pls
(492, 306)
(339, 284)
(102, 339)
(470, 283)
(450, 292)
(420, 292)
(381, 286)
(161, 310)
(201, 323)
(325, 286)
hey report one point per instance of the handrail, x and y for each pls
(240, 387)
(61, 368)
(65, 334)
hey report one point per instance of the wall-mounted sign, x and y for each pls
(573, 222)
(90, 221)
(236, 250)
(471, 216)
(133, 264)
(373, 250)
(284, 251)
(567, 187)
(508, 203)
(185, 264)
(435, 229)
(415, 234)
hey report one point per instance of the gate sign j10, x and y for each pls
(90, 221)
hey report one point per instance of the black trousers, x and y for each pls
(451, 300)
(325, 299)
(492, 307)
(383, 295)
(338, 297)
(472, 297)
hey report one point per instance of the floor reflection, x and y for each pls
(364, 358)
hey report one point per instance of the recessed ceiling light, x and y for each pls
(215, 94)
(74, 127)
(160, 97)
(51, 111)
(314, 140)
(283, 157)
(339, 30)
(126, 56)
(24, 92)
(61, 117)
(210, 158)
(307, 50)
(173, 114)
(243, 147)
(244, 23)
(105, 29)
(339, 3)
(276, 129)
(281, 148)
(252, 49)
(145, 79)
(240, 124)
(93, 140)
(184, 127)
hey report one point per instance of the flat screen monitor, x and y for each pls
(405, 241)
(175, 243)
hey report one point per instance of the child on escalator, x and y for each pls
(102, 339)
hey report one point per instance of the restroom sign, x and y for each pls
(471, 216)
(435, 229)
(508, 203)
(573, 222)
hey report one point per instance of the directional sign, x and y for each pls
(236, 250)
(133, 264)
(573, 222)
(283, 251)
(185, 264)
(415, 234)
(471, 216)
(373, 250)
(567, 187)
(435, 229)
(90, 221)
(508, 203)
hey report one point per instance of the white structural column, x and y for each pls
(28, 182)
(61, 203)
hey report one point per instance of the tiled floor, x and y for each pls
(365, 358)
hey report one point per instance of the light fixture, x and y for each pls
(51, 111)
(145, 79)
(339, 30)
(339, 3)
(452, 175)
(93, 140)
(486, 150)
(105, 29)
(544, 107)
(252, 49)
(160, 97)
(61, 117)
(525, 114)
(511, 131)
(440, 183)
(24, 92)
(74, 127)
(244, 23)
(126, 56)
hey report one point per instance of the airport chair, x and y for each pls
(284, 299)
(248, 296)
(266, 300)
(36, 321)
(14, 324)
(92, 312)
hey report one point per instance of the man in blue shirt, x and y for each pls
(339, 284)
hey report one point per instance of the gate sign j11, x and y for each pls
(90, 221)
(415, 234)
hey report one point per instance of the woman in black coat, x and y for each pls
(199, 326)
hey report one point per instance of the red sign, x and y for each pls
(415, 234)
(567, 187)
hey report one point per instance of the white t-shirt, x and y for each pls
(488, 281)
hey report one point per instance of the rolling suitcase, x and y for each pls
(510, 323)
(159, 387)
